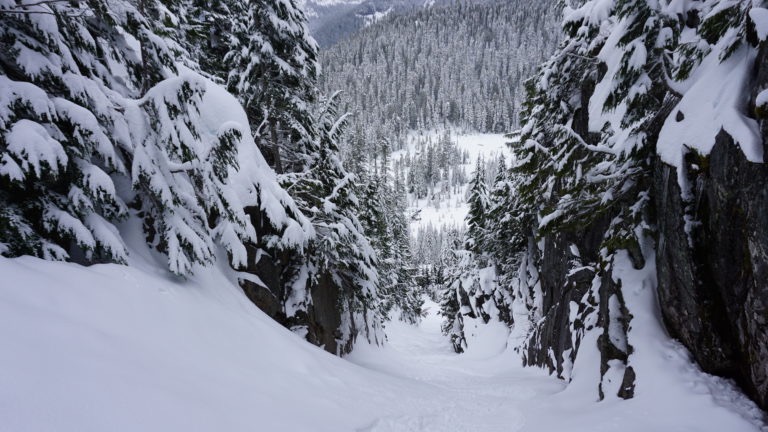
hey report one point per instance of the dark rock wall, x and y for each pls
(712, 268)
(585, 282)
(712, 265)
(552, 337)
(713, 283)
(713, 272)
(322, 317)
(267, 295)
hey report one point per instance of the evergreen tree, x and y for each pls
(391, 239)
(478, 206)
(410, 301)
(584, 174)
(506, 237)
(182, 180)
(453, 325)
(208, 32)
(62, 135)
(450, 297)
(94, 109)
(341, 252)
(273, 68)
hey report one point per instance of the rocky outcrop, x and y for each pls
(712, 262)
(577, 292)
(703, 220)
(323, 317)
(267, 281)
(551, 340)
(712, 270)
(712, 254)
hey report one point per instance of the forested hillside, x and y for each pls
(451, 68)
(404, 73)
(334, 20)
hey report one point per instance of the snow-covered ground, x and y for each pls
(452, 210)
(116, 348)
(486, 389)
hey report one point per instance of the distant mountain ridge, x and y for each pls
(332, 20)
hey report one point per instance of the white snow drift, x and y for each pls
(117, 348)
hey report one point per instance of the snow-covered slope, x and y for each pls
(118, 348)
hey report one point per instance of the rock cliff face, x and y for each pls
(270, 289)
(580, 295)
(711, 264)
(713, 283)
(712, 270)
(712, 254)
(552, 340)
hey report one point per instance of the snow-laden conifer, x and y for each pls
(340, 253)
(95, 118)
(272, 66)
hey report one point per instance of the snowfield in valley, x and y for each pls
(452, 210)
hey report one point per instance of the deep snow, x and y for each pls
(116, 348)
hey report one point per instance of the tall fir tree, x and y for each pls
(478, 207)
(341, 255)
